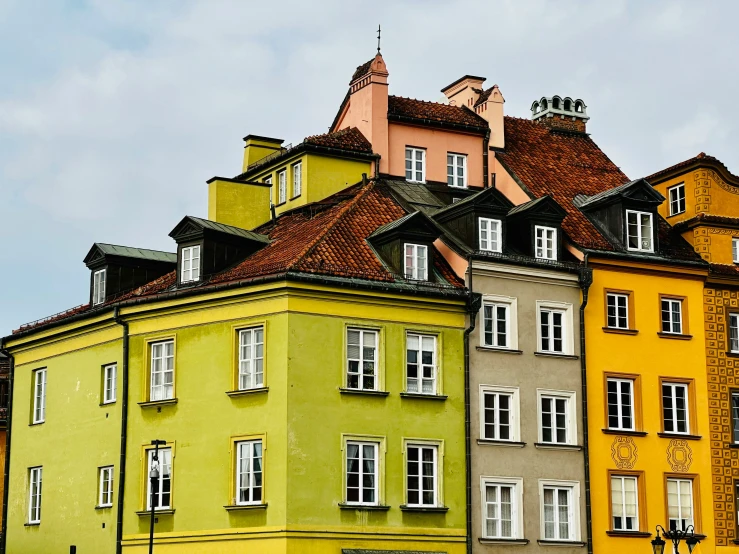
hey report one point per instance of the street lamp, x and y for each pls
(676, 535)
(154, 479)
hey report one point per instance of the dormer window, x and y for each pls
(415, 165)
(190, 264)
(546, 243)
(456, 170)
(98, 287)
(282, 187)
(490, 240)
(677, 199)
(416, 262)
(639, 233)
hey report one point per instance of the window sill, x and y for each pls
(555, 446)
(280, 204)
(147, 513)
(684, 436)
(511, 542)
(560, 543)
(364, 507)
(344, 390)
(239, 507)
(33, 423)
(675, 336)
(32, 524)
(630, 534)
(154, 403)
(108, 507)
(618, 331)
(731, 354)
(624, 432)
(246, 392)
(423, 396)
(490, 442)
(555, 355)
(498, 349)
(295, 197)
(428, 509)
(111, 403)
(734, 445)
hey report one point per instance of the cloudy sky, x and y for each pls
(114, 113)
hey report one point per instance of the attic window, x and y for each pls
(190, 264)
(639, 234)
(490, 235)
(98, 287)
(546, 243)
(416, 262)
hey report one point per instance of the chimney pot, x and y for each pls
(573, 115)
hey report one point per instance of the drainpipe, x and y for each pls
(586, 279)
(6, 476)
(485, 151)
(473, 307)
(124, 432)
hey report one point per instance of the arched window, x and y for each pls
(568, 105)
(535, 108)
(555, 103)
(544, 104)
(578, 106)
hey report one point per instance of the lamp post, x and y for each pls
(154, 480)
(676, 536)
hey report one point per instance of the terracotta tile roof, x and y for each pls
(350, 138)
(562, 165)
(726, 270)
(707, 219)
(362, 70)
(433, 111)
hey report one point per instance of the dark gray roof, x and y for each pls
(229, 229)
(393, 224)
(416, 195)
(140, 253)
(615, 191)
(527, 205)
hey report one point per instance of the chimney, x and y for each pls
(464, 91)
(565, 114)
(257, 147)
(489, 106)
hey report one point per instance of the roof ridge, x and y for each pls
(133, 247)
(424, 101)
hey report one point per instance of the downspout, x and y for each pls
(124, 432)
(473, 307)
(6, 475)
(485, 151)
(586, 279)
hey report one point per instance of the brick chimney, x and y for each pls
(464, 91)
(561, 113)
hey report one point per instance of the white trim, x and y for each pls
(671, 312)
(416, 272)
(568, 339)
(673, 387)
(190, 270)
(454, 167)
(511, 324)
(735, 249)
(680, 482)
(573, 507)
(297, 179)
(39, 395)
(640, 239)
(109, 395)
(361, 474)
(251, 366)
(35, 489)
(361, 359)
(671, 201)
(99, 279)
(514, 411)
(413, 151)
(250, 475)
(160, 391)
(547, 253)
(420, 379)
(616, 296)
(435, 446)
(105, 493)
(636, 516)
(517, 521)
(282, 186)
(490, 224)
(571, 414)
(733, 326)
(620, 415)
(166, 451)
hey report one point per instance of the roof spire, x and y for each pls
(378, 38)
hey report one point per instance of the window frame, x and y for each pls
(514, 415)
(237, 476)
(436, 368)
(102, 492)
(681, 301)
(150, 344)
(573, 488)
(636, 411)
(438, 448)
(416, 248)
(735, 249)
(733, 324)
(381, 451)
(38, 402)
(734, 410)
(109, 396)
(511, 303)
(628, 295)
(379, 383)
(489, 221)
(517, 520)
(281, 186)
(99, 286)
(454, 166)
(568, 338)
(670, 201)
(689, 420)
(639, 236)
(297, 179)
(191, 249)
(34, 511)
(240, 332)
(641, 504)
(694, 497)
(413, 151)
(571, 415)
(148, 454)
(545, 249)
(375, 445)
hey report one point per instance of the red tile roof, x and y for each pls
(422, 110)
(707, 219)
(562, 165)
(362, 70)
(350, 139)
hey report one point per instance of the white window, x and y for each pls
(735, 249)
(502, 514)
(490, 239)
(620, 398)
(110, 373)
(559, 506)
(39, 395)
(639, 236)
(282, 187)
(163, 485)
(249, 472)
(496, 325)
(251, 358)
(675, 408)
(297, 179)
(734, 332)
(617, 315)
(546, 243)
(415, 165)
(105, 485)
(551, 330)
(268, 181)
(416, 262)
(680, 504)
(190, 264)
(422, 477)
(34, 495)
(162, 371)
(362, 473)
(98, 287)
(677, 199)
(456, 170)
(421, 364)
(361, 356)
(625, 503)
(672, 316)
(499, 413)
(557, 417)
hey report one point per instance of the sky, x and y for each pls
(114, 113)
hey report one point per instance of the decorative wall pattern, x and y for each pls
(624, 452)
(679, 455)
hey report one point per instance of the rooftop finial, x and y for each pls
(378, 38)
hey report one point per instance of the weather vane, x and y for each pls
(378, 39)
